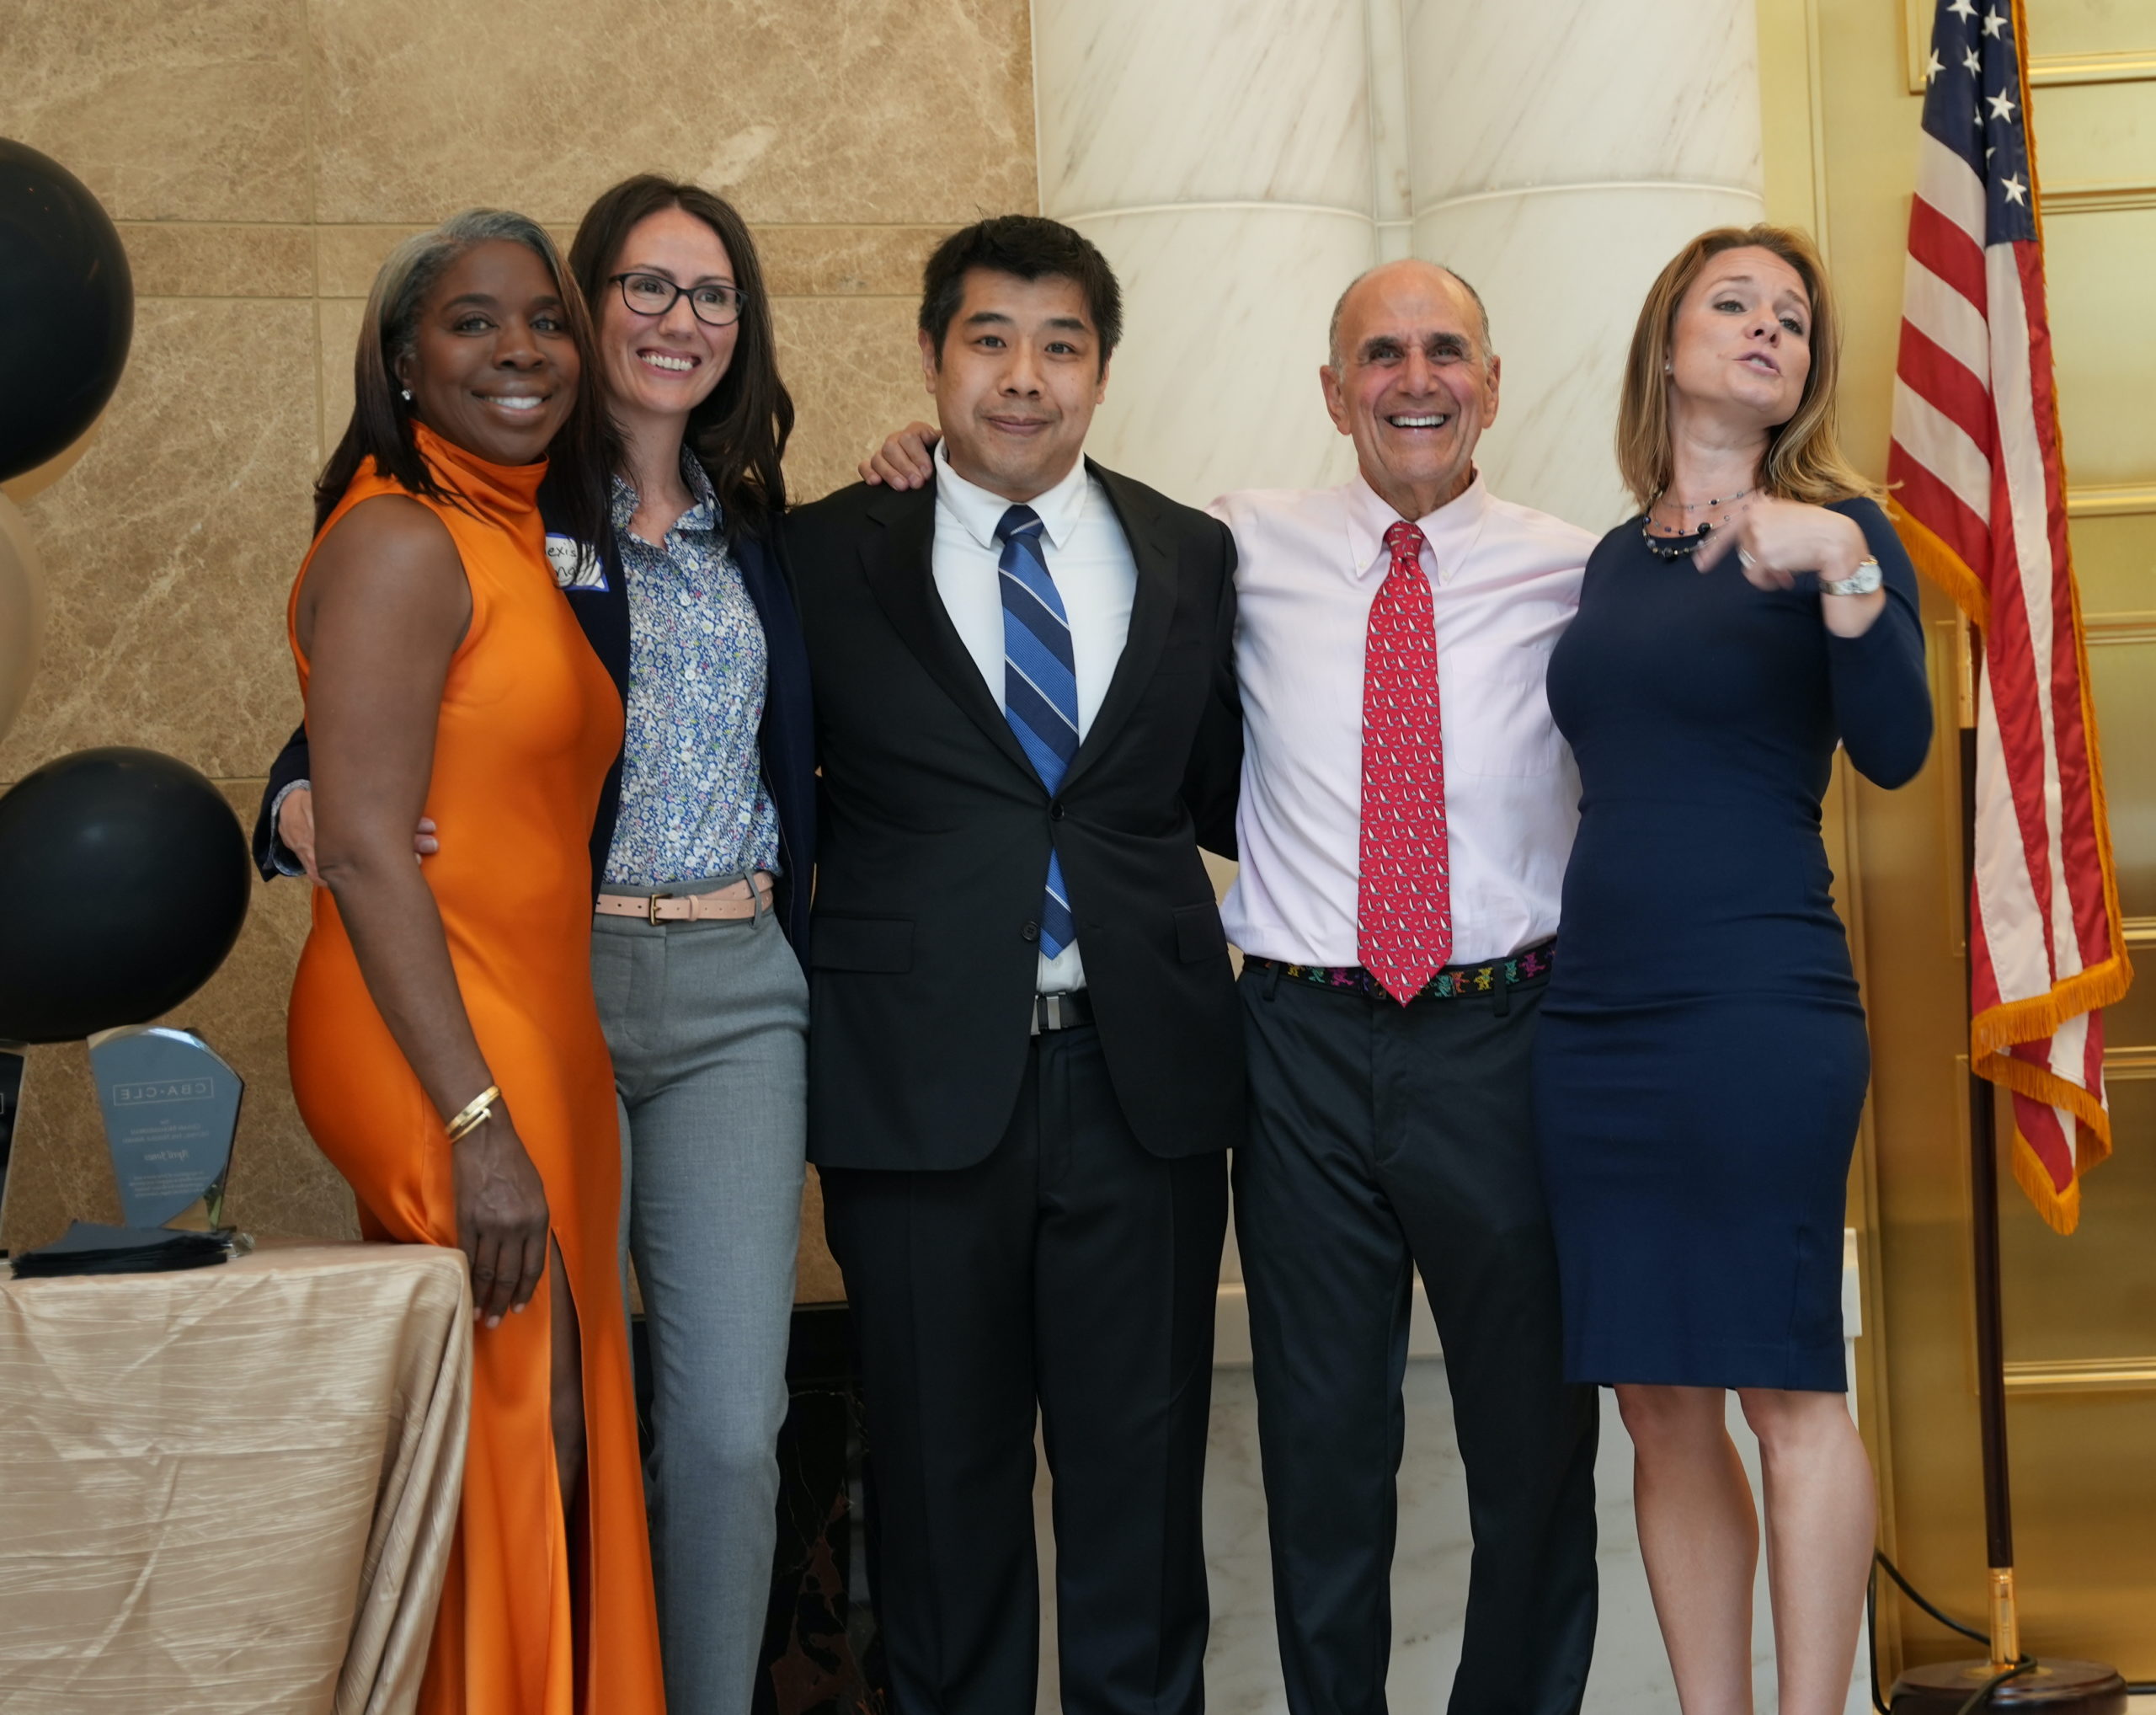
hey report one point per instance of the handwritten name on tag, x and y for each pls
(577, 564)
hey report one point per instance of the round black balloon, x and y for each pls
(123, 881)
(66, 308)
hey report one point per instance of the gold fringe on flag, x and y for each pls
(2037, 1017)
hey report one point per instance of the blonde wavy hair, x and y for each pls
(1804, 459)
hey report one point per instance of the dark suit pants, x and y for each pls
(1069, 1269)
(1384, 1139)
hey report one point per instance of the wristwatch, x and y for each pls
(1866, 578)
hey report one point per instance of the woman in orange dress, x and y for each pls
(445, 1048)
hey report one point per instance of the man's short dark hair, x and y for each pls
(1030, 247)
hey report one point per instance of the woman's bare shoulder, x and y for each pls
(389, 547)
(392, 527)
(392, 560)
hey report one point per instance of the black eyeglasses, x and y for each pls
(652, 295)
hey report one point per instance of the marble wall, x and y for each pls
(1222, 159)
(260, 156)
(1598, 141)
(1240, 165)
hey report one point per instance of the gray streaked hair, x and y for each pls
(408, 273)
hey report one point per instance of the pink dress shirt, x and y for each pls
(1505, 582)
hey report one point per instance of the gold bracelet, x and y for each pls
(474, 1113)
(472, 1125)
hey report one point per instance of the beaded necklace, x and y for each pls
(1667, 548)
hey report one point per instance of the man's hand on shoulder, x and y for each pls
(906, 460)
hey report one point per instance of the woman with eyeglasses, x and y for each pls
(701, 855)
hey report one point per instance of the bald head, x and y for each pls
(1404, 269)
(1413, 380)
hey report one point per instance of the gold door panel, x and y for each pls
(2080, 1311)
(2101, 281)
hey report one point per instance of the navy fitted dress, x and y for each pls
(1700, 1061)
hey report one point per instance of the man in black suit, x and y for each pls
(1025, 1057)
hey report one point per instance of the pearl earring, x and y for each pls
(407, 392)
(1666, 370)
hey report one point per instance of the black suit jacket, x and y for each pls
(785, 738)
(934, 834)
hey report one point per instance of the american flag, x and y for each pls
(1979, 499)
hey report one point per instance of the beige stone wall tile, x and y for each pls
(169, 548)
(346, 258)
(799, 260)
(336, 337)
(279, 1182)
(187, 109)
(854, 370)
(821, 261)
(837, 110)
(189, 259)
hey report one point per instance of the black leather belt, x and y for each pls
(1063, 1012)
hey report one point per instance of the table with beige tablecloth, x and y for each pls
(233, 1488)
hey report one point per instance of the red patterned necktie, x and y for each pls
(1403, 908)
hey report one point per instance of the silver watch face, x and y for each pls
(1862, 581)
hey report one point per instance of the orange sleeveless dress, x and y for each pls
(530, 725)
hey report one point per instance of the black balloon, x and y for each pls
(123, 881)
(66, 308)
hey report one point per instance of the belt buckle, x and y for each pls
(651, 910)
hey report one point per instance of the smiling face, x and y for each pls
(1413, 384)
(493, 369)
(1016, 381)
(1740, 344)
(663, 367)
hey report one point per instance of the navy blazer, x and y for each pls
(786, 737)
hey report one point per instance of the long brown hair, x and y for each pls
(1804, 459)
(738, 433)
(580, 454)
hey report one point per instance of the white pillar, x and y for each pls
(1220, 156)
(1560, 155)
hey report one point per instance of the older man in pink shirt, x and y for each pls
(1408, 809)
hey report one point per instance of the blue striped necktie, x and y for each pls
(1040, 685)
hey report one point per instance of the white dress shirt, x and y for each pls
(1089, 557)
(1505, 582)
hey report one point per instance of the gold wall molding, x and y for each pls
(2096, 198)
(2124, 1065)
(2120, 628)
(2140, 932)
(2121, 501)
(2137, 66)
(2082, 1376)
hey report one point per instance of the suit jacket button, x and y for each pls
(1032, 931)
(1055, 812)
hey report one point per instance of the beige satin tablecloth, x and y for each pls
(232, 1489)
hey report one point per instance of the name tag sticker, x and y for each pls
(577, 564)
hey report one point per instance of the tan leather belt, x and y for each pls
(730, 903)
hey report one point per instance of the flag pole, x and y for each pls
(1983, 1224)
(2008, 1681)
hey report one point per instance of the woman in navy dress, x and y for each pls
(1702, 1059)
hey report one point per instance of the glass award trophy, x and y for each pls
(171, 1106)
